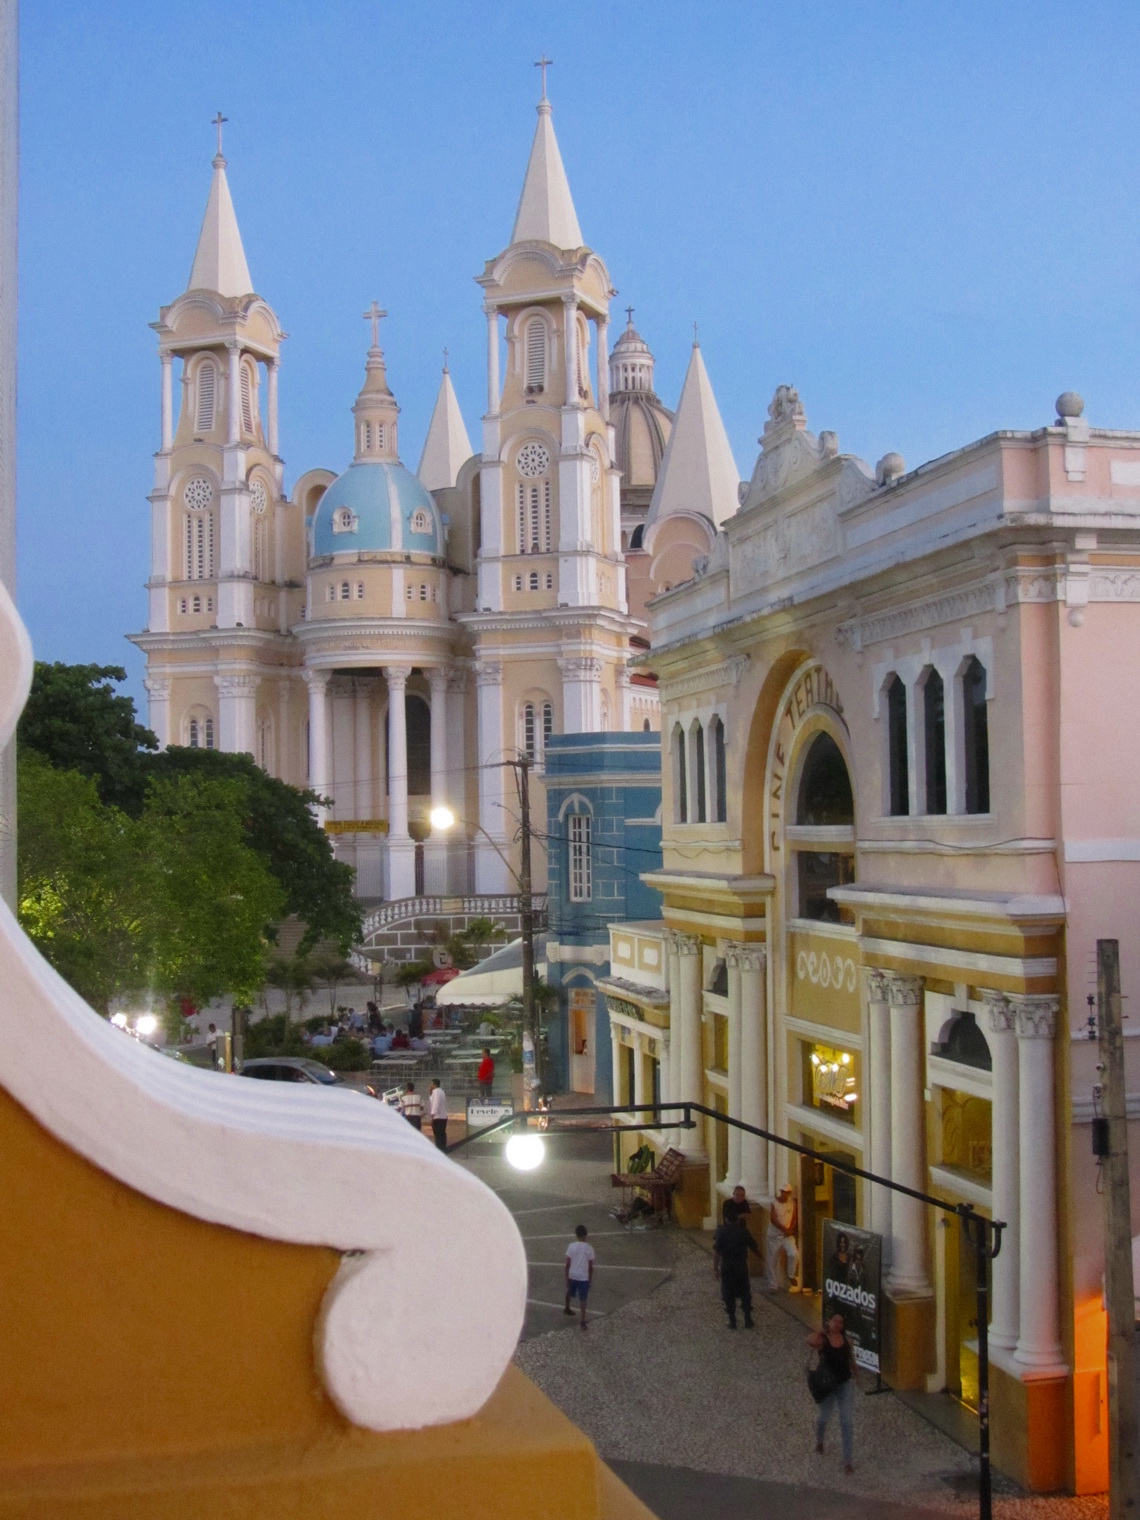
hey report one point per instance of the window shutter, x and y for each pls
(207, 376)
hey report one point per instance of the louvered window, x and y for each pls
(581, 872)
(209, 727)
(528, 726)
(195, 739)
(535, 355)
(247, 399)
(546, 515)
(365, 435)
(207, 390)
(547, 722)
(199, 546)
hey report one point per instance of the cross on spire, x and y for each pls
(543, 63)
(219, 121)
(373, 315)
(696, 339)
(629, 315)
(446, 352)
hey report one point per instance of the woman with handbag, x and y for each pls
(831, 1381)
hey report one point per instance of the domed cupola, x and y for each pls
(641, 423)
(377, 505)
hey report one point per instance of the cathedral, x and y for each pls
(391, 638)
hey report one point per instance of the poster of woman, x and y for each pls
(852, 1286)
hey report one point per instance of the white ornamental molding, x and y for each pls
(489, 674)
(236, 686)
(876, 986)
(1036, 1015)
(725, 673)
(745, 957)
(1001, 1016)
(293, 1163)
(823, 969)
(904, 991)
(580, 668)
(159, 687)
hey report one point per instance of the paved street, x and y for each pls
(698, 1421)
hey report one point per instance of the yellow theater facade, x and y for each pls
(885, 868)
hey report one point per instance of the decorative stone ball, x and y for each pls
(1069, 404)
(890, 467)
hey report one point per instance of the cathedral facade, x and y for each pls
(394, 639)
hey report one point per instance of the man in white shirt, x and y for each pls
(782, 1238)
(412, 1106)
(437, 1109)
(579, 1271)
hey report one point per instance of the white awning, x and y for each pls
(492, 982)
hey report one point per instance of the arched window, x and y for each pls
(547, 722)
(533, 581)
(977, 737)
(534, 343)
(934, 741)
(365, 436)
(637, 536)
(423, 594)
(360, 591)
(345, 591)
(579, 873)
(421, 522)
(825, 801)
(265, 744)
(418, 719)
(518, 582)
(208, 732)
(330, 593)
(720, 800)
(680, 779)
(379, 435)
(199, 529)
(645, 726)
(528, 730)
(549, 580)
(195, 735)
(697, 741)
(247, 399)
(961, 1040)
(196, 604)
(207, 390)
(583, 356)
(898, 771)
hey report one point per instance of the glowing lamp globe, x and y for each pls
(442, 818)
(525, 1152)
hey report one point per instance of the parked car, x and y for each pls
(298, 1069)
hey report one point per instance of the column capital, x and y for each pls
(580, 667)
(397, 676)
(684, 944)
(316, 680)
(456, 678)
(745, 957)
(235, 686)
(489, 674)
(159, 686)
(1036, 1014)
(903, 991)
(1001, 1016)
(439, 678)
(877, 985)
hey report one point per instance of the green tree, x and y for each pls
(281, 827)
(292, 975)
(331, 970)
(84, 895)
(76, 720)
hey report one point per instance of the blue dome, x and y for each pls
(373, 506)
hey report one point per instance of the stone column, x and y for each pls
(690, 1073)
(581, 694)
(158, 689)
(1005, 1315)
(753, 962)
(401, 850)
(732, 962)
(603, 367)
(237, 713)
(908, 1137)
(1038, 1341)
(492, 363)
(271, 368)
(286, 748)
(362, 734)
(615, 1056)
(439, 844)
(320, 758)
(167, 404)
(233, 395)
(491, 874)
(876, 1081)
(570, 344)
(639, 1093)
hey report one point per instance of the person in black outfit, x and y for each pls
(837, 1354)
(731, 1245)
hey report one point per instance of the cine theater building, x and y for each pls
(900, 806)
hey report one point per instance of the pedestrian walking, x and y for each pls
(782, 1239)
(412, 1106)
(579, 1271)
(834, 1379)
(437, 1109)
(485, 1076)
(731, 1245)
(212, 1043)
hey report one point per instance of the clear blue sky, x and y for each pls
(925, 215)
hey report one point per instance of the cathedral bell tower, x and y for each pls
(551, 624)
(220, 534)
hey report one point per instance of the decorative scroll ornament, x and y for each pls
(286, 1162)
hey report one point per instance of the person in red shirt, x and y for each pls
(485, 1076)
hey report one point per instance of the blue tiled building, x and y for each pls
(603, 820)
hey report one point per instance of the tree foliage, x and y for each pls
(75, 719)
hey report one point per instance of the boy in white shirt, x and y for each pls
(579, 1271)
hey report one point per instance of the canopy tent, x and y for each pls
(494, 981)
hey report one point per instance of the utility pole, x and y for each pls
(526, 917)
(1123, 1475)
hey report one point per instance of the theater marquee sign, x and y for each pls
(812, 690)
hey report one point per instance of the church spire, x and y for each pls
(698, 473)
(546, 208)
(375, 407)
(447, 447)
(219, 261)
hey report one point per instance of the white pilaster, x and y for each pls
(877, 1105)
(753, 963)
(237, 713)
(908, 1139)
(732, 962)
(401, 849)
(570, 347)
(1005, 1317)
(1038, 1341)
(362, 736)
(167, 403)
(158, 689)
(233, 394)
(491, 875)
(602, 382)
(320, 758)
(690, 1073)
(437, 848)
(271, 368)
(493, 363)
(581, 694)
(624, 698)
(639, 1093)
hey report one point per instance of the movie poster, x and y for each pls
(852, 1272)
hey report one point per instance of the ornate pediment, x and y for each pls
(789, 453)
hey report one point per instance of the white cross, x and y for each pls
(218, 121)
(544, 63)
(373, 315)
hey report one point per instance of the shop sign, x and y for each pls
(833, 1078)
(480, 1113)
(852, 1286)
